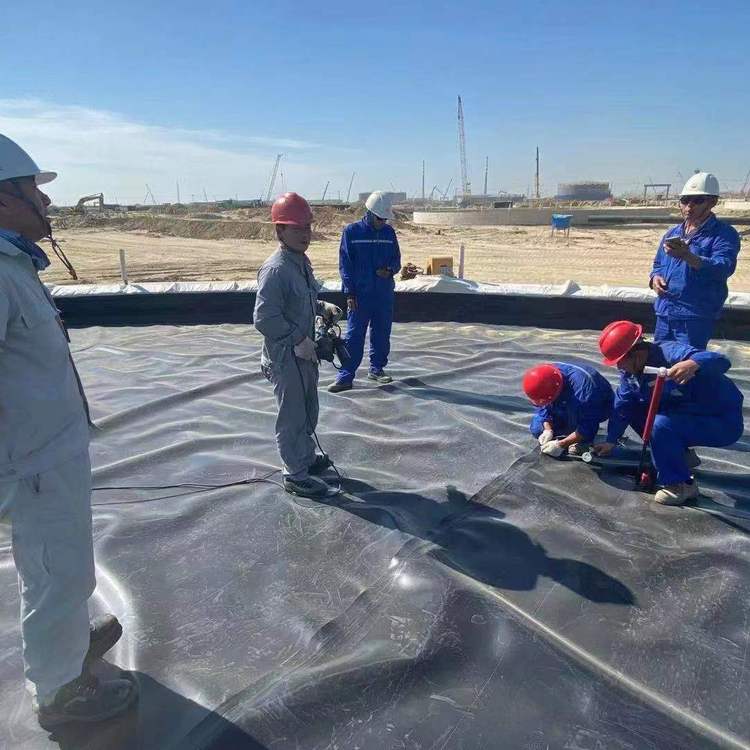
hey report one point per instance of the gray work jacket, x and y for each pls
(286, 304)
(43, 415)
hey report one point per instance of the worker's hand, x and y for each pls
(676, 247)
(306, 350)
(603, 449)
(659, 285)
(683, 371)
(545, 437)
(351, 304)
(331, 313)
(552, 448)
(384, 273)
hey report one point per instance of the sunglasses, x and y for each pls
(699, 200)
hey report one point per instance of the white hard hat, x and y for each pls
(15, 162)
(380, 204)
(701, 183)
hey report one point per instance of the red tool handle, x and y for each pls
(653, 407)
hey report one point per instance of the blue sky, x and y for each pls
(121, 94)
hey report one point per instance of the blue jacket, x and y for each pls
(584, 402)
(363, 250)
(709, 392)
(701, 293)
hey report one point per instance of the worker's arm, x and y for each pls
(269, 316)
(681, 357)
(658, 267)
(722, 262)
(711, 363)
(628, 398)
(346, 266)
(394, 265)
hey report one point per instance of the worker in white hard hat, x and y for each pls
(369, 258)
(692, 265)
(45, 474)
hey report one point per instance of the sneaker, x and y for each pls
(379, 376)
(692, 459)
(578, 449)
(320, 464)
(339, 386)
(104, 632)
(676, 494)
(308, 487)
(86, 700)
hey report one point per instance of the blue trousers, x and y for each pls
(675, 432)
(694, 331)
(378, 315)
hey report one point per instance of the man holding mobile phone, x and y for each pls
(692, 265)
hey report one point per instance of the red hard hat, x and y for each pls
(617, 339)
(542, 384)
(291, 208)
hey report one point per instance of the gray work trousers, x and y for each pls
(295, 385)
(50, 515)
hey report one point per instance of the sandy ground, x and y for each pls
(616, 256)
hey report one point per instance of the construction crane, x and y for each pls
(269, 192)
(349, 191)
(465, 184)
(744, 184)
(325, 190)
(447, 190)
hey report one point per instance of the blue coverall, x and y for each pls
(693, 300)
(363, 250)
(583, 404)
(707, 410)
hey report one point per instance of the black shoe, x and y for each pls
(308, 487)
(339, 386)
(379, 376)
(319, 465)
(104, 632)
(87, 700)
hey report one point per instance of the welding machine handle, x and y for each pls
(658, 371)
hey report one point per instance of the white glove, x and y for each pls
(545, 437)
(306, 350)
(552, 448)
(331, 313)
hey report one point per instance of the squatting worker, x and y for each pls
(369, 257)
(692, 265)
(45, 474)
(571, 402)
(699, 405)
(286, 305)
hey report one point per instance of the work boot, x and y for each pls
(340, 385)
(104, 632)
(86, 700)
(578, 449)
(319, 465)
(676, 494)
(307, 487)
(379, 376)
(692, 459)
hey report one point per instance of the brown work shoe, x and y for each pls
(676, 494)
(87, 700)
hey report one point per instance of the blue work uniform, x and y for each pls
(363, 251)
(693, 300)
(707, 410)
(583, 404)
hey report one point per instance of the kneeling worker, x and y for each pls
(286, 304)
(571, 400)
(700, 405)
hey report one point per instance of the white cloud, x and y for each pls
(99, 151)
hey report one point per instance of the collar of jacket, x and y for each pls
(707, 224)
(16, 243)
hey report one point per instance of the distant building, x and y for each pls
(583, 191)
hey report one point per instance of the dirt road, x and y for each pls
(615, 256)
